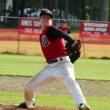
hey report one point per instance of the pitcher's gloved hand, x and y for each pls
(74, 50)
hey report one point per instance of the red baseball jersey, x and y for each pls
(52, 47)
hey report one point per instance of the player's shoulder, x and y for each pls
(53, 29)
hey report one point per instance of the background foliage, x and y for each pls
(79, 9)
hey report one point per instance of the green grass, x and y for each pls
(21, 65)
(97, 103)
(95, 69)
(41, 99)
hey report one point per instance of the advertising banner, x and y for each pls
(95, 32)
(29, 26)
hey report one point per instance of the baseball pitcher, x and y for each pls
(59, 65)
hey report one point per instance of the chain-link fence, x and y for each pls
(11, 41)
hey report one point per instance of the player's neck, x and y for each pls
(46, 25)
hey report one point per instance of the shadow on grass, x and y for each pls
(103, 58)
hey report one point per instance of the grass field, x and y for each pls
(21, 65)
(97, 103)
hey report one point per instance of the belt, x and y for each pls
(55, 60)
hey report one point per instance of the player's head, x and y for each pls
(46, 12)
(45, 17)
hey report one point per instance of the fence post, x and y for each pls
(18, 46)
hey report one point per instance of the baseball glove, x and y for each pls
(73, 50)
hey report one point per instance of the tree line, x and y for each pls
(80, 9)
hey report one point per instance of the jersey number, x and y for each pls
(44, 41)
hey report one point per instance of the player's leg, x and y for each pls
(72, 84)
(66, 73)
(36, 84)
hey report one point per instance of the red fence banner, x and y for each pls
(95, 32)
(29, 26)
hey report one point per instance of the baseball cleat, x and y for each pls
(24, 106)
(84, 107)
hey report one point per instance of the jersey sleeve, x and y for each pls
(54, 33)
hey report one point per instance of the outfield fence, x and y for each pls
(12, 41)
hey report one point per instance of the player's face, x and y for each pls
(45, 20)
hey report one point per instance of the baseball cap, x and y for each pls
(47, 12)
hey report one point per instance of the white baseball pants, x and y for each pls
(62, 70)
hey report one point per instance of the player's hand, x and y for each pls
(76, 45)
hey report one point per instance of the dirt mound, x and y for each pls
(13, 107)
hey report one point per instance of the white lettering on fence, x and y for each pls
(26, 22)
(96, 24)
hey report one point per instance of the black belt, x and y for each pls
(55, 60)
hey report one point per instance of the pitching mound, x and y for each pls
(13, 107)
